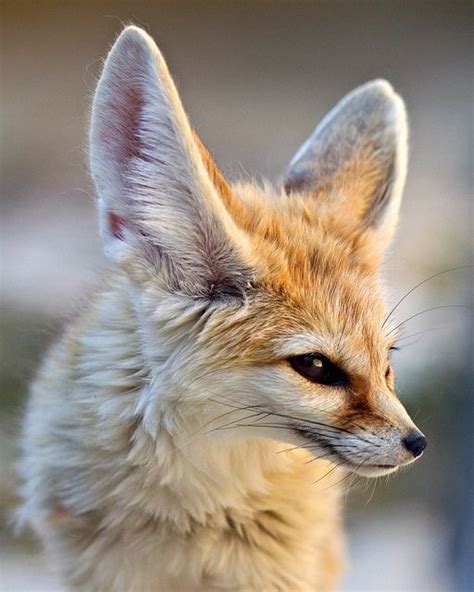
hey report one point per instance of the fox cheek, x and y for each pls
(358, 412)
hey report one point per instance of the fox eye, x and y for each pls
(319, 369)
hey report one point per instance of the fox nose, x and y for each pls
(415, 443)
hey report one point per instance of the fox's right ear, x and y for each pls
(356, 159)
(159, 193)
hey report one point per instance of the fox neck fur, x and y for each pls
(148, 473)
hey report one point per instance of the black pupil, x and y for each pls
(318, 368)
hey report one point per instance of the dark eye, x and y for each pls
(318, 368)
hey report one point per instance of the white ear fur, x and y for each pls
(358, 153)
(152, 185)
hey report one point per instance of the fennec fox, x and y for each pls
(239, 334)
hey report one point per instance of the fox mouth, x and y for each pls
(370, 470)
(365, 468)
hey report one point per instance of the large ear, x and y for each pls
(358, 157)
(160, 197)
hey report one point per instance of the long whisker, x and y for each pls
(199, 433)
(282, 426)
(373, 491)
(404, 337)
(308, 446)
(429, 310)
(328, 473)
(315, 423)
(346, 476)
(431, 277)
(244, 408)
(327, 433)
(326, 454)
(236, 407)
(257, 416)
(260, 416)
(338, 416)
(355, 479)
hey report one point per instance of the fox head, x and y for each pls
(259, 309)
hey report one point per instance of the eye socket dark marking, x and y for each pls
(319, 369)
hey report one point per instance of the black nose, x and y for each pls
(415, 443)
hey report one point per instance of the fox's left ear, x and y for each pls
(357, 159)
(163, 204)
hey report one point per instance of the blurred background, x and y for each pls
(255, 78)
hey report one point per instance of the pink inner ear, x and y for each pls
(116, 225)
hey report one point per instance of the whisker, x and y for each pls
(235, 421)
(333, 428)
(349, 474)
(373, 491)
(326, 454)
(306, 446)
(329, 428)
(327, 474)
(416, 335)
(244, 408)
(429, 310)
(355, 479)
(318, 424)
(431, 277)
(280, 426)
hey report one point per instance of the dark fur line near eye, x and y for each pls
(393, 348)
(317, 368)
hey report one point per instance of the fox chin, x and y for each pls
(190, 429)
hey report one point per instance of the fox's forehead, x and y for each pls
(308, 226)
(315, 289)
(305, 248)
(343, 323)
(340, 318)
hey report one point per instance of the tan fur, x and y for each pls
(160, 451)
